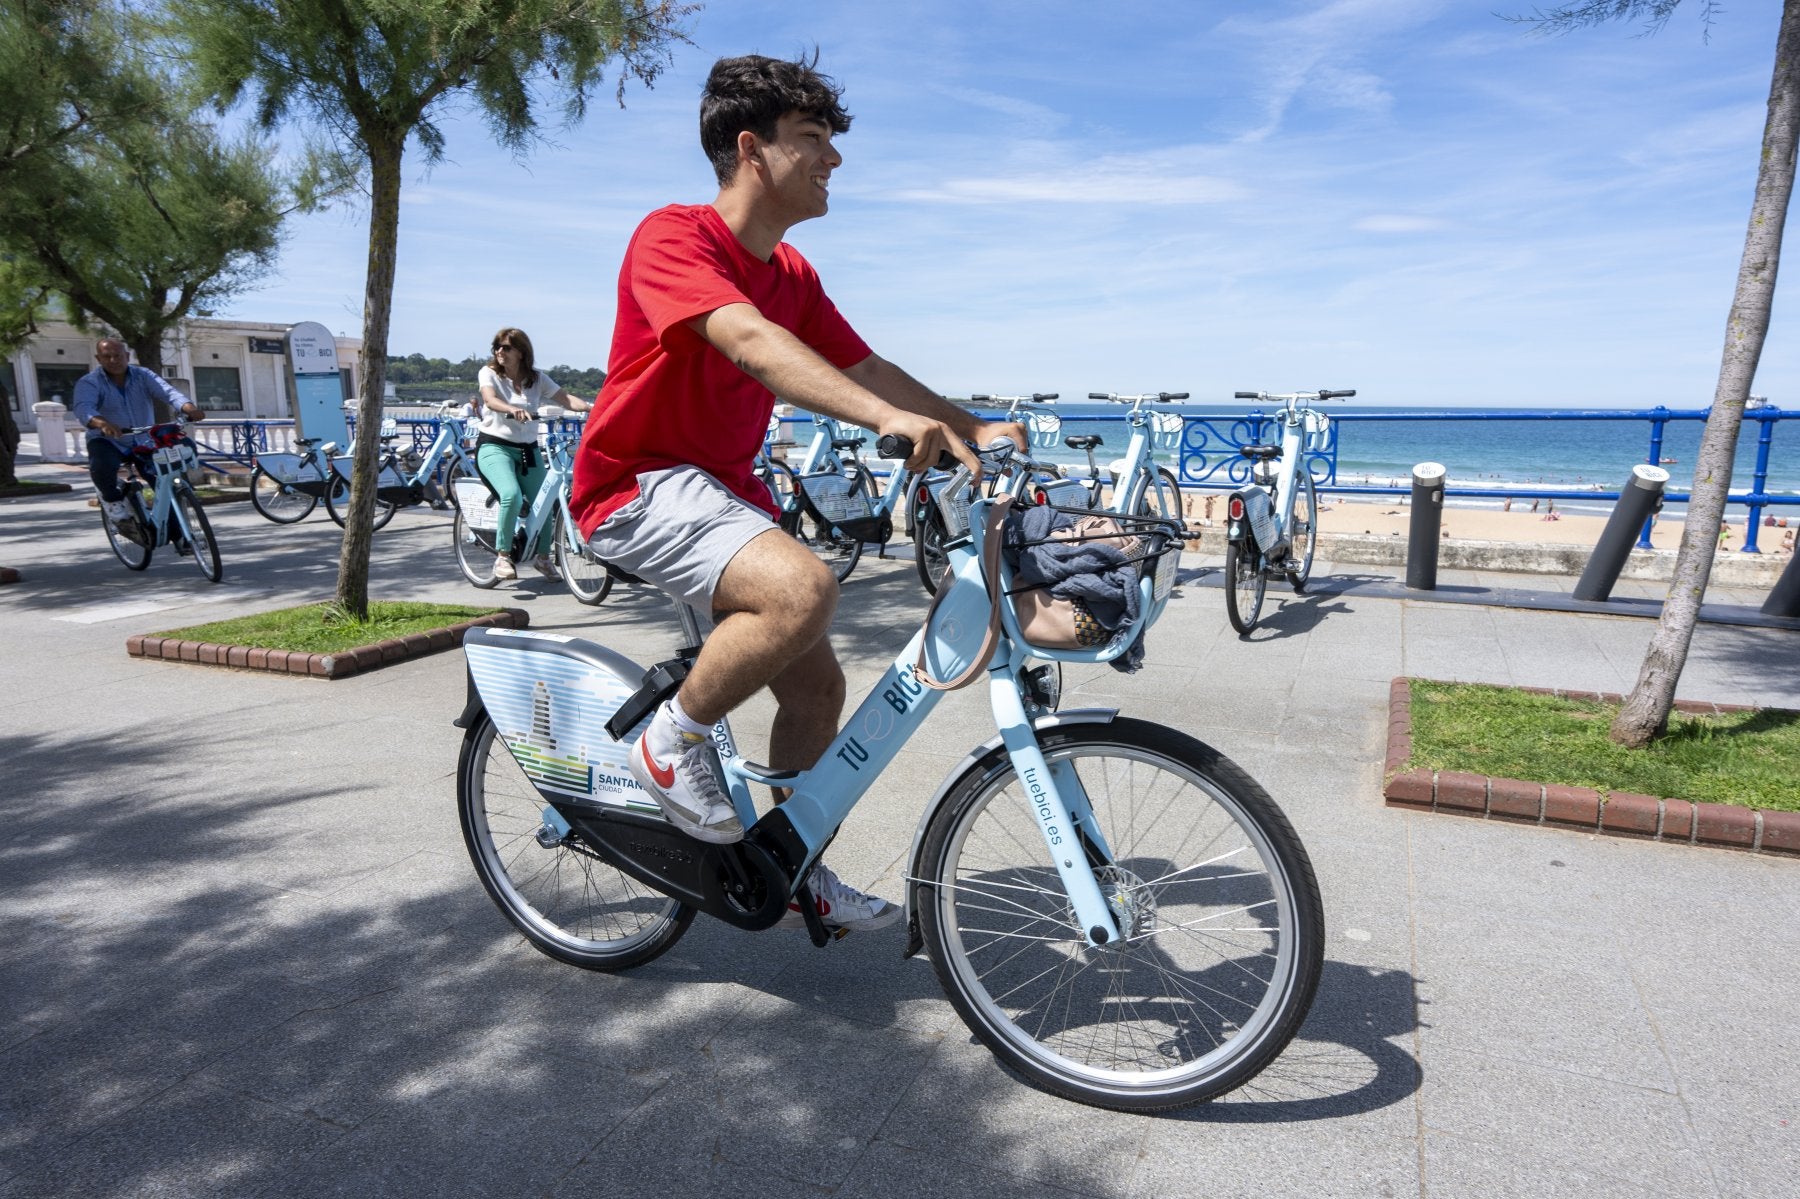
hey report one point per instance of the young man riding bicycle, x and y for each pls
(716, 317)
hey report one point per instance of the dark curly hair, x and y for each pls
(753, 93)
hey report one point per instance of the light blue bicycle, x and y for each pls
(1139, 485)
(1115, 909)
(478, 539)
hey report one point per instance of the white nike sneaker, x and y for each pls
(117, 511)
(676, 768)
(840, 905)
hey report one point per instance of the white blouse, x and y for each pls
(532, 398)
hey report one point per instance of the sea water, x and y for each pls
(1564, 454)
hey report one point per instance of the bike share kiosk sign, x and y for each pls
(318, 390)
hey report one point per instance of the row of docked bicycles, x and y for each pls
(829, 497)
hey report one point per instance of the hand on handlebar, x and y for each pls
(930, 440)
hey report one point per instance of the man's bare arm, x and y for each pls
(792, 370)
(903, 391)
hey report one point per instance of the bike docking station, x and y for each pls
(1639, 500)
(1425, 531)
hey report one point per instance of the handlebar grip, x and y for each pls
(981, 399)
(1044, 395)
(1246, 395)
(892, 445)
(1098, 395)
(1173, 395)
(1336, 395)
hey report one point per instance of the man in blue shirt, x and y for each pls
(113, 396)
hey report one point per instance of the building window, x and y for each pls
(347, 379)
(58, 383)
(219, 388)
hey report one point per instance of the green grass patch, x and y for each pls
(324, 629)
(1749, 759)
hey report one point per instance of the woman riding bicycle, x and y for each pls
(513, 391)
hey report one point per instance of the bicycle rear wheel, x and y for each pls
(133, 551)
(825, 540)
(587, 576)
(1223, 926)
(566, 901)
(201, 545)
(280, 502)
(1245, 583)
(1303, 530)
(337, 505)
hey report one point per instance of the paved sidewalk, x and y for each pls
(247, 955)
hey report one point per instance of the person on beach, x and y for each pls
(513, 391)
(716, 316)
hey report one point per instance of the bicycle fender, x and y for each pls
(975, 759)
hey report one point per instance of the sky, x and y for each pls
(1413, 198)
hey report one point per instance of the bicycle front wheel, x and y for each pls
(566, 901)
(1156, 493)
(586, 575)
(1303, 531)
(928, 546)
(133, 550)
(475, 553)
(1223, 927)
(201, 544)
(280, 502)
(1245, 584)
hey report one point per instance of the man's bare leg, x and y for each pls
(775, 602)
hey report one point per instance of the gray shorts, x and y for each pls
(680, 533)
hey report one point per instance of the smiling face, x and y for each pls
(795, 168)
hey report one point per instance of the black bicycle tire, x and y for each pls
(1162, 945)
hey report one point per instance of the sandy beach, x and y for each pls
(1390, 518)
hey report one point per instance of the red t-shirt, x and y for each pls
(670, 398)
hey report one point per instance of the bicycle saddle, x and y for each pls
(1263, 452)
(1084, 443)
(847, 443)
(306, 443)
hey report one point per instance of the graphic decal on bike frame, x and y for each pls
(551, 712)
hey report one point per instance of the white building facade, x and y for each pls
(233, 369)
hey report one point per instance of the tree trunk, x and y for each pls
(378, 299)
(9, 442)
(1645, 713)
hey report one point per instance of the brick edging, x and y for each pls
(1613, 813)
(319, 666)
(10, 492)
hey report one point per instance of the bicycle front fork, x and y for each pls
(1064, 816)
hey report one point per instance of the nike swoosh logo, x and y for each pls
(664, 776)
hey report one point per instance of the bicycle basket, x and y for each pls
(1044, 427)
(479, 509)
(1068, 627)
(1165, 430)
(832, 494)
(176, 460)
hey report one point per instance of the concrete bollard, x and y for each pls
(52, 431)
(1637, 501)
(1784, 598)
(1427, 526)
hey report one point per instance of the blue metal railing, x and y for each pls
(1209, 456)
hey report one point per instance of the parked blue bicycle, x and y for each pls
(1116, 910)
(286, 487)
(164, 509)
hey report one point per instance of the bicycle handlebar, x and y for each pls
(893, 445)
(1288, 397)
(1161, 397)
